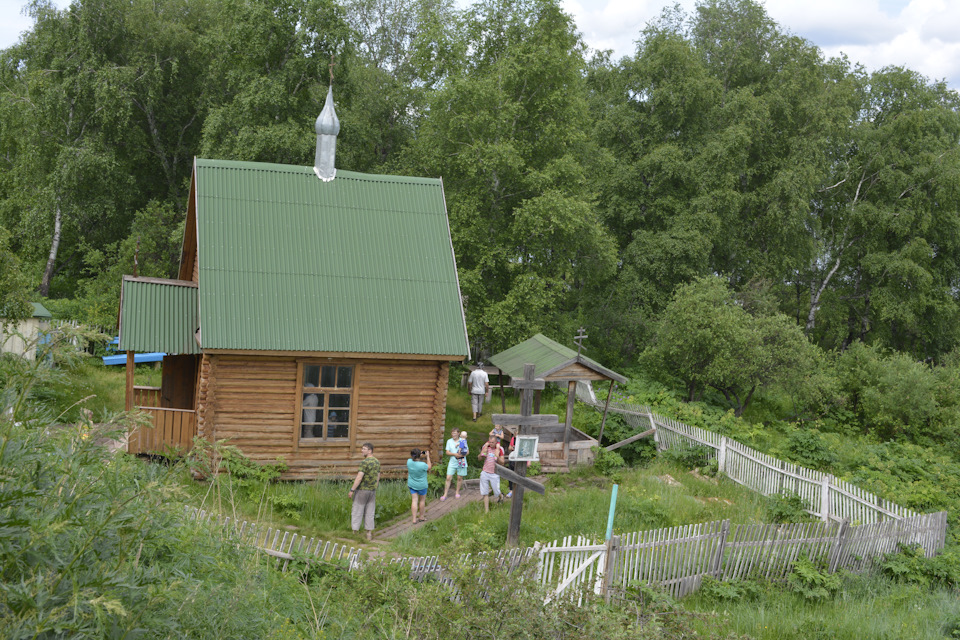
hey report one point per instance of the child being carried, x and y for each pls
(464, 450)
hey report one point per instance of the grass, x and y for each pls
(578, 504)
(87, 383)
(320, 508)
(866, 607)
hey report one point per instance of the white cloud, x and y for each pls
(923, 35)
(12, 22)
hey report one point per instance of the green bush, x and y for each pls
(689, 457)
(909, 564)
(812, 581)
(98, 546)
(786, 506)
(607, 462)
(729, 590)
(807, 448)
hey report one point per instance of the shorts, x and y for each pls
(453, 467)
(476, 402)
(489, 482)
(419, 492)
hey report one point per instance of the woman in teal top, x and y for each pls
(417, 482)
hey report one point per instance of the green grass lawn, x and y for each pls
(867, 607)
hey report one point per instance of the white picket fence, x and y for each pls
(824, 496)
(278, 543)
(677, 559)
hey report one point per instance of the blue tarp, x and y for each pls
(138, 358)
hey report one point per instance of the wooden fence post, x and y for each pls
(722, 455)
(609, 565)
(838, 545)
(716, 563)
(825, 497)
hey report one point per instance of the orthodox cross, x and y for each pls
(331, 69)
(525, 423)
(579, 338)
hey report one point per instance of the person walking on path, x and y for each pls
(364, 491)
(454, 466)
(479, 383)
(417, 482)
(491, 454)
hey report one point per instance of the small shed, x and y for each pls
(565, 446)
(23, 338)
(315, 310)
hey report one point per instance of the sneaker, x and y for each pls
(509, 494)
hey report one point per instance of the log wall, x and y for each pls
(254, 402)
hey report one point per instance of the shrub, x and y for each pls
(812, 581)
(97, 546)
(910, 565)
(807, 448)
(607, 462)
(786, 506)
(729, 590)
(689, 457)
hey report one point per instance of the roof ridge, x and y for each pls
(308, 171)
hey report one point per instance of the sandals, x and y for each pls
(457, 496)
(442, 498)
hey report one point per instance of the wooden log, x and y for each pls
(606, 406)
(128, 402)
(568, 422)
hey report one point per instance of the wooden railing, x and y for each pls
(146, 396)
(286, 547)
(168, 429)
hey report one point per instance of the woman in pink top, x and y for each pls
(491, 454)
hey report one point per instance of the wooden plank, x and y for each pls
(523, 481)
(516, 420)
(634, 438)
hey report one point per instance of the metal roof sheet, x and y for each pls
(548, 356)
(40, 311)
(363, 263)
(158, 315)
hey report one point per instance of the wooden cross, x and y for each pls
(524, 422)
(579, 338)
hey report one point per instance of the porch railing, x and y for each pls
(169, 429)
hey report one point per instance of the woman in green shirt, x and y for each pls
(417, 482)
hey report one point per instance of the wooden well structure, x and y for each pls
(563, 446)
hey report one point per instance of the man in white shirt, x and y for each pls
(479, 383)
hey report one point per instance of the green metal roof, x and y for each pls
(363, 263)
(40, 311)
(548, 356)
(158, 315)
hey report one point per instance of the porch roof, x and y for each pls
(157, 314)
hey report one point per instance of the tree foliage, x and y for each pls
(706, 338)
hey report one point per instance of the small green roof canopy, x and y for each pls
(551, 359)
(287, 262)
(39, 311)
(158, 315)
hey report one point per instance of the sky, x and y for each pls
(923, 35)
